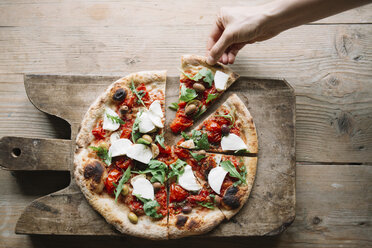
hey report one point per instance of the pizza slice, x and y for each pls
(226, 179)
(200, 85)
(115, 160)
(191, 207)
(229, 129)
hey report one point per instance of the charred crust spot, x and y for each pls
(193, 224)
(230, 198)
(94, 170)
(181, 220)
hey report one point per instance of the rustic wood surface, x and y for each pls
(269, 211)
(327, 62)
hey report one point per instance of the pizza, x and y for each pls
(147, 188)
(229, 129)
(200, 86)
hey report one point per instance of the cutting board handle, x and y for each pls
(17, 153)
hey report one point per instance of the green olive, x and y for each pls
(104, 145)
(133, 217)
(147, 138)
(155, 150)
(125, 190)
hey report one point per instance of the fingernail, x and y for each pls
(210, 60)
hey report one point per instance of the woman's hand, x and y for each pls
(234, 28)
(237, 26)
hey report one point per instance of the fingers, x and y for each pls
(219, 48)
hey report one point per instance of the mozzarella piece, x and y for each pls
(142, 187)
(115, 136)
(140, 152)
(145, 123)
(155, 119)
(188, 181)
(220, 80)
(217, 159)
(155, 108)
(108, 124)
(188, 144)
(120, 147)
(216, 177)
(232, 142)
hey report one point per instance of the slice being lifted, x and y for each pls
(229, 129)
(200, 85)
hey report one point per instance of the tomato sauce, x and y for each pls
(113, 177)
(161, 198)
(99, 132)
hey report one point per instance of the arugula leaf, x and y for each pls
(211, 97)
(187, 94)
(149, 207)
(160, 139)
(209, 205)
(200, 140)
(243, 172)
(115, 119)
(118, 188)
(177, 168)
(204, 73)
(207, 76)
(200, 112)
(174, 106)
(228, 166)
(228, 117)
(135, 128)
(241, 151)
(139, 94)
(157, 169)
(197, 156)
(185, 136)
(102, 153)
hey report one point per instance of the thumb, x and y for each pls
(219, 48)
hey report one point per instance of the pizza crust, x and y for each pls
(199, 221)
(244, 121)
(114, 213)
(243, 190)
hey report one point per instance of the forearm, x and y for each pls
(286, 14)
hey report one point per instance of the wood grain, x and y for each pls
(333, 210)
(119, 13)
(18, 153)
(69, 97)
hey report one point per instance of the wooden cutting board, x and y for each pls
(268, 211)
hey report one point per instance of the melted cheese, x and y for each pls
(145, 123)
(215, 178)
(142, 187)
(120, 147)
(188, 181)
(188, 144)
(220, 80)
(140, 152)
(108, 124)
(232, 142)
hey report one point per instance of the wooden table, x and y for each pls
(329, 63)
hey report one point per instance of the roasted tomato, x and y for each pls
(99, 132)
(123, 162)
(201, 197)
(126, 129)
(177, 193)
(181, 121)
(182, 153)
(161, 198)
(214, 131)
(113, 177)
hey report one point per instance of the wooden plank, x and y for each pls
(18, 117)
(18, 153)
(333, 210)
(276, 156)
(117, 13)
